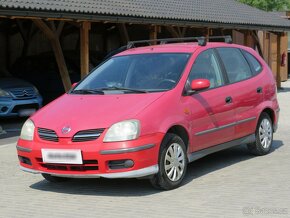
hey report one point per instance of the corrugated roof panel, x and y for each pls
(222, 11)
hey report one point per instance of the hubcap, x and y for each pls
(265, 132)
(174, 162)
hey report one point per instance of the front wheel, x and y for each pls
(172, 163)
(264, 136)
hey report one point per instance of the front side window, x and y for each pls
(236, 65)
(146, 72)
(206, 67)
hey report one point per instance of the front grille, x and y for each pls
(87, 135)
(88, 165)
(47, 134)
(23, 92)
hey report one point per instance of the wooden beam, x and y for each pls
(179, 31)
(52, 36)
(258, 43)
(61, 65)
(123, 33)
(60, 28)
(278, 79)
(26, 34)
(246, 38)
(184, 29)
(172, 31)
(84, 43)
(207, 32)
(45, 29)
(7, 48)
(22, 30)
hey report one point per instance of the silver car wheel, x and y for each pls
(265, 133)
(174, 162)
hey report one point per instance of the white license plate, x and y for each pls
(62, 156)
(26, 112)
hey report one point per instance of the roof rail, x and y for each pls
(200, 40)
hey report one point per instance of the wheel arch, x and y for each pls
(271, 114)
(181, 132)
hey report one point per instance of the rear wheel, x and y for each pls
(54, 179)
(264, 136)
(172, 163)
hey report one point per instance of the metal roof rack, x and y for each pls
(200, 40)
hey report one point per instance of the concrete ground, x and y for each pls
(230, 183)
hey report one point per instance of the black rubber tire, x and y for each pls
(160, 180)
(54, 179)
(256, 147)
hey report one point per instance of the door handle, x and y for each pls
(229, 100)
(259, 90)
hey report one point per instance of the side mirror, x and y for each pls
(73, 85)
(199, 84)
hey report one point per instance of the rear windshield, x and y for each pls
(147, 72)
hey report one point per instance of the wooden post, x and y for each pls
(85, 50)
(153, 33)
(123, 33)
(52, 35)
(7, 49)
(278, 79)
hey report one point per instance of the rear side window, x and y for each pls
(257, 67)
(236, 65)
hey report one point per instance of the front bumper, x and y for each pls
(10, 107)
(97, 157)
(130, 174)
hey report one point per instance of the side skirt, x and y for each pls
(199, 154)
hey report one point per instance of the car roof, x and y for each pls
(190, 47)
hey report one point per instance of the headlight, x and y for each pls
(27, 130)
(4, 93)
(123, 131)
(36, 91)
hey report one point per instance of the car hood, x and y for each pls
(83, 112)
(10, 83)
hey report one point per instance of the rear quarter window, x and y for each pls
(255, 64)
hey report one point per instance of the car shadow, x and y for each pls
(222, 159)
(283, 89)
(135, 187)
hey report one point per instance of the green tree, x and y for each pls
(269, 5)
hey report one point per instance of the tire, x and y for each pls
(54, 179)
(264, 136)
(171, 170)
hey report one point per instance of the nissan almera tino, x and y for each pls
(149, 111)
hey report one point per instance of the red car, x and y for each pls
(149, 111)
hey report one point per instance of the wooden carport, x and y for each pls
(51, 23)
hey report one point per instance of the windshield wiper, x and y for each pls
(123, 88)
(88, 91)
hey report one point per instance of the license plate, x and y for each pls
(26, 112)
(62, 156)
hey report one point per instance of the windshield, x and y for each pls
(135, 73)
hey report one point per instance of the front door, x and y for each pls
(212, 111)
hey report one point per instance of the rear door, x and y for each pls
(246, 88)
(212, 111)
